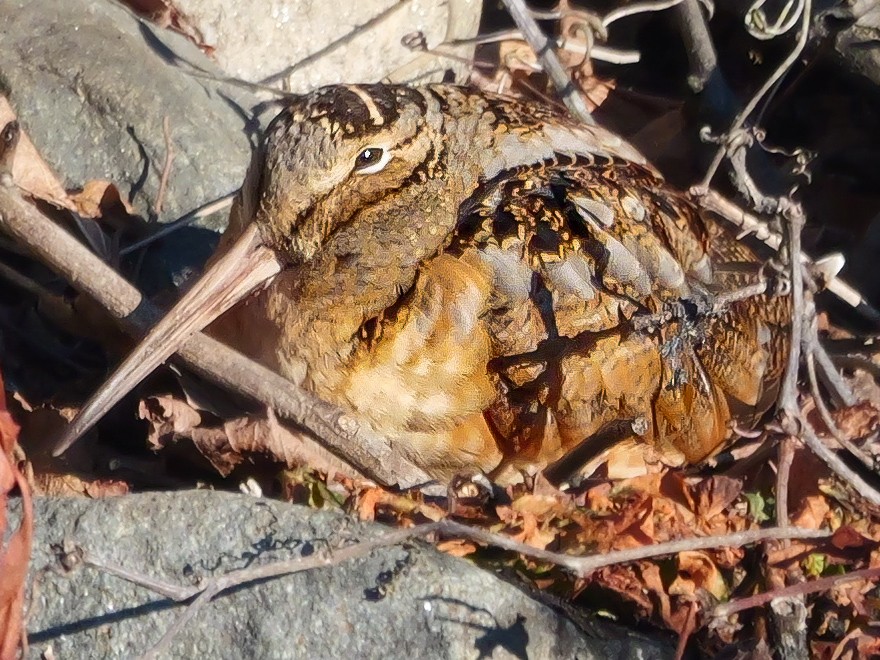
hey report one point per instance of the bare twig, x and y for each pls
(609, 18)
(788, 392)
(815, 586)
(196, 214)
(824, 413)
(698, 44)
(830, 375)
(166, 168)
(598, 52)
(637, 8)
(581, 566)
(833, 461)
(783, 470)
(543, 47)
(750, 224)
(743, 114)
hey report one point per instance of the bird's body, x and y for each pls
(487, 283)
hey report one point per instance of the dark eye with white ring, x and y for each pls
(371, 160)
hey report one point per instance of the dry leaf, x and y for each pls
(812, 512)
(857, 421)
(168, 418)
(713, 495)
(69, 485)
(14, 557)
(457, 547)
(697, 571)
(227, 445)
(99, 198)
(31, 173)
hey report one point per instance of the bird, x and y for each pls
(489, 284)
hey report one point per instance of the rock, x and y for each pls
(405, 601)
(853, 28)
(92, 87)
(346, 42)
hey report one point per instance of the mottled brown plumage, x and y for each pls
(500, 289)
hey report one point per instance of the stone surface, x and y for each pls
(400, 602)
(92, 86)
(309, 43)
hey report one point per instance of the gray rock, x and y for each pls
(399, 602)
(308, 43)
(92, 85)
(856, 47)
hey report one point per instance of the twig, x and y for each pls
(750, 224)
(580, 566)
(340, 433)
(785, 454)
(804, 588)
(27, 285)
(830, 375)
(637, 8)
(788, 392)
(596, 51)
(743, 114)
(609, 18)
(832, 460)
(698, 44)
(166, 168)
(201, 212)
(825, 414)
(543, 47)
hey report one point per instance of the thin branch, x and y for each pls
(825, 414)
(166, 168)
(785, 453)
(698, 44)
(832, 460)
(581, 566)
(788, 392)
(203, 211)
(638, 8)
(830, 374)
(749, 224)
(543, 47)
(804, 588)
(596, 51)
(743, 114)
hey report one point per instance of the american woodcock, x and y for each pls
(485, 282)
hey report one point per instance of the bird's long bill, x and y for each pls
(246, 265)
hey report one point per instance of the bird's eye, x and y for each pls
(371, 160)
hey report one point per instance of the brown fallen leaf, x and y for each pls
(233, 441)
(166, 15)
(714, 495)
(31, 173)
(14, 557)
(697, 571)
(71, 485)
(858, 421)
(99, 198)
(457, 547)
